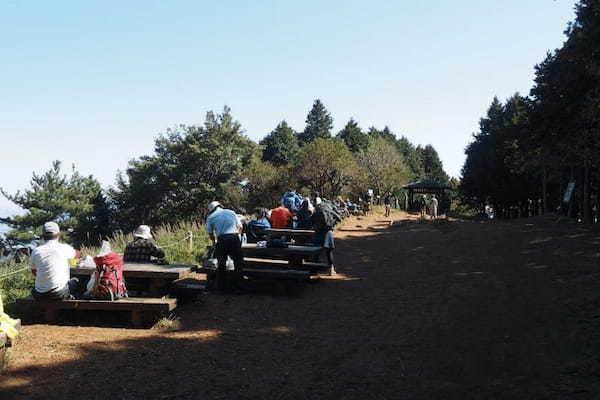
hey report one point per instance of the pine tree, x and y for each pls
(353, 136)
(280, 146)
(318, 124)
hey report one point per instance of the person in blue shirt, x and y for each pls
(255, 227)
(291, 201)
(224, 227)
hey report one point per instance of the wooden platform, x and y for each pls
(312, 267)
(139, 307)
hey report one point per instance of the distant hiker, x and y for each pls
(433, 207)
(142, 248)
(423, 206)
(50, 265)
(281, 217)
(224, 227)
(387, 202)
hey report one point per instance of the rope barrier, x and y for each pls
(2, 277)
(177, 243)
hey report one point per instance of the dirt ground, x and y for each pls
(419, 310)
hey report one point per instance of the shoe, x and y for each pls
(332, 272)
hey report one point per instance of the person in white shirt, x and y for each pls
(50, 265)
(434, 207)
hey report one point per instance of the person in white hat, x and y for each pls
(224, 227)
(50, 265)
(142, 248)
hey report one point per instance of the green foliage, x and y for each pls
(326, 166)
(432, 165)
(318, 124)
(53, 196)
(265, 184)
(382, 166)
(187, 171)
(280, 146)
(353, 136)
(16, 281)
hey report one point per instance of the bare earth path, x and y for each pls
(451, 310)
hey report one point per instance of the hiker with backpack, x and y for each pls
(50, 266)
(323, 220)
(142, 249)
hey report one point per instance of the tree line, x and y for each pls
(532, 148)
(194, 164)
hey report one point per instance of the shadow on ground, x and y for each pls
(441, 310)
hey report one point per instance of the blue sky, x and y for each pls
(94, 83)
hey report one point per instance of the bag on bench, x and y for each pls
(109, 283)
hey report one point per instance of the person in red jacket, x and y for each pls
(281, 218)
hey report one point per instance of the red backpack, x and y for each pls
(109, 284)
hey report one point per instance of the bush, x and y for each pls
(15, 281)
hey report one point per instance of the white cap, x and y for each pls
(51, 227)
(142, 231)
(213, 205)
(105, 249)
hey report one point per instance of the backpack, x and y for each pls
(325, 217)
(109, 282)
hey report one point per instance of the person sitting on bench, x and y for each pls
(50, 265)
(255, 228)
(142, 249)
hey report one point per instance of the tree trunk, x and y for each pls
(587, 204)
(544, 189)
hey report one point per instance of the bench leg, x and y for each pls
(51, 314)
(158, 287)
(137, 318)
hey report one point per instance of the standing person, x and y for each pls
(142, 248)
(434, 207)
(224, 227)
(387, 202)
(281, 217)
(50, 265)
(423, 206)
(323, 226)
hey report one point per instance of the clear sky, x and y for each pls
(93, 83)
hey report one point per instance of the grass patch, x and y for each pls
(170, 323)
(16, 280)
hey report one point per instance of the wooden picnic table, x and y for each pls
(295, 254)
(290, 232)
(158, 277)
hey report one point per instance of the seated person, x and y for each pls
(304, 214)
(142, 249)
(50, 265)
(281, 218)
(255, 227)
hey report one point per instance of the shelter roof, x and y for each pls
(427, 184)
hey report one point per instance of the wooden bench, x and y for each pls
(280, 274)
(140, 307)
(312, 267)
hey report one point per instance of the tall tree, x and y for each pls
(326, 166)
(188, 169)
(318, 124)
(353, 136)
(432, 165)
(383, 166)
(53, 196)
(281, 145)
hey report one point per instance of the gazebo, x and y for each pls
(424, 187)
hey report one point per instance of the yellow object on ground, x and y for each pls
(7, 324)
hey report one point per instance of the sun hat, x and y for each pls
(142, 231)
(212, 206)
(51, 227)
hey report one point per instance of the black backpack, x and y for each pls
(325, 217)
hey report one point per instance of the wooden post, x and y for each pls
(191, 242)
